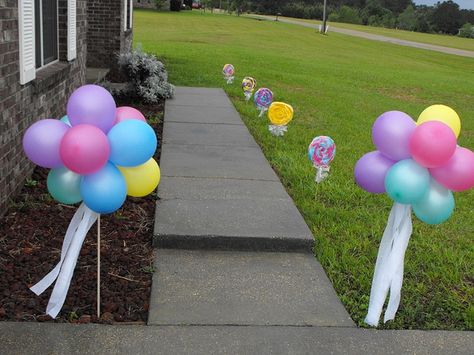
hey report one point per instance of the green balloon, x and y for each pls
(64, 185)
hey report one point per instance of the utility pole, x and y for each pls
(324, 17)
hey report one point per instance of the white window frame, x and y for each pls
(71, 24)
(127, 14)
(42, 66)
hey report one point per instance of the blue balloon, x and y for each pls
(65, 119)
(436, 206)
(104, 191)
(407, 182)
(132, 143)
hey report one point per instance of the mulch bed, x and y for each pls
(31, 236)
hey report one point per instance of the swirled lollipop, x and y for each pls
(248, 86)
(263, 98)
(228, 73)
(279, 114)
(321, 152)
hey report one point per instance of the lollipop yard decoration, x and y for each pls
(321, 153)
(248, 86)
(97, 154)
(279, 114)
(262, 98)
(418, 165)
(228, 72)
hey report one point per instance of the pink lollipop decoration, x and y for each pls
(321, 152)
(228, 72)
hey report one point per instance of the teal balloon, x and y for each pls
(436, 206)
(64, 185)
(65, 119)
(407, 182)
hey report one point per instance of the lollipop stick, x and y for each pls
(98, 267)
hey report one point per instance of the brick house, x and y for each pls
(48, 48)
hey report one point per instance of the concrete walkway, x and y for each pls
(235, 273)
(374, 37)
(237, 251)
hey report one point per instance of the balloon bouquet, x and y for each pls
(279, 114)
(418, 165)
(262, 99)
(321, 153)
(248, 86)
(228, 72)
(97, 154)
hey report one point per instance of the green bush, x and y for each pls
(175, 5)
(466, 31)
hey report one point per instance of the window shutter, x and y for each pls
(71, 30)
(125, 14)
(131, 12)
(26, 24)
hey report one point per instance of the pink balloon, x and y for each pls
(458, 173)
(84, 149)
(432, 144)
(128, 113)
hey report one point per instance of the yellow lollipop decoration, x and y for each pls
(248, 86)
(279, 114)
(443, 114)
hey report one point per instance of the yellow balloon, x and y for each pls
(443, 114)
(141, 180)
(280, 114)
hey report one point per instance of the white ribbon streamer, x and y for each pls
(80, 224)
(230, 79)
(388, 274)
(248, 95)
(276, 130)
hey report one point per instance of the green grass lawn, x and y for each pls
(430, 38)
(338, 85)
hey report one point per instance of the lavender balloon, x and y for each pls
(370, 172)
(391, 134)
(41, 142)
(92, 104)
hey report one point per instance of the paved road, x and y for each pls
(374, 37)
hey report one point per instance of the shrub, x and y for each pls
(147, 79)
(466, 31)
(175, 5)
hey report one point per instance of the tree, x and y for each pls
(345, 14)
(374, 14)
(407, 20)
(447, 17)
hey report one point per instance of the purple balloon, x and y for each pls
(370, 172)
(92, 104)
(41, 142)
(391, 134)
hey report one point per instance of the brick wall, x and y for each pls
(106, 37)
(44, 97)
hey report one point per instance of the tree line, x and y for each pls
(444, 17)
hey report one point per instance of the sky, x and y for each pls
(463, 4)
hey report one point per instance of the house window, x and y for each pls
(46, 32)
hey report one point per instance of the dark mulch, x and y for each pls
(31, 236)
